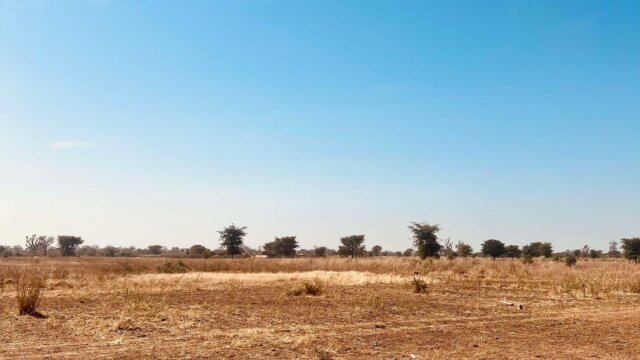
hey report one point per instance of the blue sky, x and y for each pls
(158, 122)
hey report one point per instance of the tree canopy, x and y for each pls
(281, 247)
(492, 247)
(352, 246)
(68, 244)
(232, 239)
(425, 239)
(631, 249)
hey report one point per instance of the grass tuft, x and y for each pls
(313, 287)
(30, 282)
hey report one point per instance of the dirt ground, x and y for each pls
(173, 316)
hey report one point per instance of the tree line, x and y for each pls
(426, 244)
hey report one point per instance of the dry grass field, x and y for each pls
(137, 308)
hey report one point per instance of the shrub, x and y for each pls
(570, 260)
(419, 285)
(527, 259)
(308, 287)
(30, 282)
(173, 268)
(323, 354)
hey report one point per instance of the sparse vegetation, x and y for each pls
(313, 287)
(419, 285)
(169, 267)
(30, 282)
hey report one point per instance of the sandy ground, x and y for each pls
(359, 316)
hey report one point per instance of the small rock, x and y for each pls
(413, 356)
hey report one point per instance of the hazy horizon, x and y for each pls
(140, 123)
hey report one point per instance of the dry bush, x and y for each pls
(173, 268)
(313, 287)
(419, 285)
(30, 282)
(323, 354)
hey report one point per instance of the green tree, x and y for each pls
(464, 250)
(425, 239)
(68, 244)
(352, 246)
(376, 250)
(536, 249)
(199, 251)
(320, 251)
(283, 246)
(492, 247)
(109, 251)
(631, 249)
(155, 249)
(512, 251)
(232, 239)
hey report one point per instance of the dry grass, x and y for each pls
(241, 308)
(30, 283)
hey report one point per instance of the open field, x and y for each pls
(244, 309)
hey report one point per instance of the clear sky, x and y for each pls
(159, 122)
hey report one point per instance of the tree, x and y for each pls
(492, 247)
(425, 239)
(447, 249)
(570, 259)
(34, 243)
(288, 245)
(631, 249)
(352, 246)
(464, 250)
(546, 249)
(155, 249)
(68, 244)
(594, 254)
(613, 249)
(407, 253)
(320, 251)
(283, 246)
(109, 251)
(512, 251)
(584, 252)
(376, 250)
(45, 243)
(31, 243)
(199, 251)
(232, 239)
(536, 249)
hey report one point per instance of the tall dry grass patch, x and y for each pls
(30, 281)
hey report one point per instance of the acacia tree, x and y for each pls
(376, 250)
(155, 249)
(493, 248)
(512, 251)
(464, 250)
(352, 246)
(283, 246)
(232, 239)
(536, 249)
(631, 249)
(320, 251)
(68, 244)
(425, 239)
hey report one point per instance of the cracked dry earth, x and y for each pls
(237, 320)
